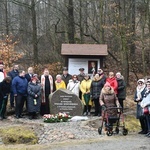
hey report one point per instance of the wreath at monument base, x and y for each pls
(60, 117)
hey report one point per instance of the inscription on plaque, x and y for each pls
(64, 100)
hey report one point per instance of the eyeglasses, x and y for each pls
(140, 83)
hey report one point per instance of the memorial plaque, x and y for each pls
(64, 100)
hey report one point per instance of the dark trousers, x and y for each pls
(45, 108)
(87, 108)
(144, 124)
(148, 122)
(19, 103)
(97, 106)
(3, 104)
(11, 99)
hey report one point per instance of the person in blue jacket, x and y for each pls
(19, 86)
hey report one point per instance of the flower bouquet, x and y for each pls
(60, 117)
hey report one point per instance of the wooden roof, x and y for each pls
(84, 49)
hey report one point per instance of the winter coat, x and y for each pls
(60, 85)
(19, 85)
(74, 87)
(85, 86)
(113, 83)
(13, 74)
(109, 99)
(81, 77)
(66, 78)
(139, 109)
(121, 88)
(96, 87)
(32, 102)
(4, 88)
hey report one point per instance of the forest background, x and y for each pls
(32, 31)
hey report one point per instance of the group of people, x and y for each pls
(142, 98)
(33, 91)
(94, 89)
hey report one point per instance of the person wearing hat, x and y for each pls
(3, 73)
(74, 85)
(5, 88)
(85, 87)
(121, 93)
(108, 99)
(66, 76)
(33, 98)
(139, 94)
(145, 104)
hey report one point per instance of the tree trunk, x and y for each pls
(71, 27)
(34, 34)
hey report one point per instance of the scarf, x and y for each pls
(139, 90)
(43, 86)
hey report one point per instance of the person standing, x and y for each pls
(34, 98)
(5, 87)
(13, 73)
(59, 83)
(30, 73)
(66, 76)
(113, 82)
(80, 79)
(96, 87)
(3, 73)
(85, 89)
(146, 104)
(19, 86)
(121, 94)
(47, 89)
(139, 94)
(74, 85)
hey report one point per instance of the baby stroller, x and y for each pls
(113, 123)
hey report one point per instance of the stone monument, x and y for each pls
(64, 100)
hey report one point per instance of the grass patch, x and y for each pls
(132, 124)
(18, 135)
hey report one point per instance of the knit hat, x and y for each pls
(118, 73)
(107, 84)
(34, 78)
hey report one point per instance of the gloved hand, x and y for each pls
(104, 107)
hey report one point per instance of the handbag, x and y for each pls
(146, 110)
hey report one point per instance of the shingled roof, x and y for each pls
(84, 49)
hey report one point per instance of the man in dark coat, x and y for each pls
(13, 73)
(19, 86)
(5, 87)
(66, 76)
(29, 75)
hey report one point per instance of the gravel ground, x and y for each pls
(79, 135)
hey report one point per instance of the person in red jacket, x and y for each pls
(112, 81)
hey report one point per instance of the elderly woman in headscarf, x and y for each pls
(139, 94)
(59, 83)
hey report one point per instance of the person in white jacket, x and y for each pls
(74, 85)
